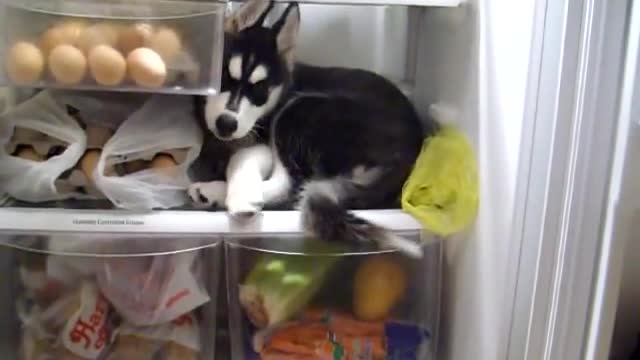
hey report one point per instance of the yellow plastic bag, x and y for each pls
(442, 190)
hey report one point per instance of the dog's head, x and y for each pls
(257, 67)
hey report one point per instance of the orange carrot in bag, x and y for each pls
(269, 354)
(299, 339)
(324, 335)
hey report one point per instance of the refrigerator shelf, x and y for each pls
(14, 219)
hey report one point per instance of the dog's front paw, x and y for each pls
(246, 203)
(208, 194)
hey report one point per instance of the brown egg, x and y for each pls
(134, 36)
(89, 161)
(110, 170)
(167, 43)
(98, 34)
(25, 63)
(146, 68)
(67, 32)
(108, 67)
(97, 136)
(164, 163)
(28, 153)
(67, 64)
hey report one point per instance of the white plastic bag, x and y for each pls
(87, 332)
(163, 123)
(100, 108)
(35, 181)
(176, 340)
(68, 267)
(37, 341)
(78, 325)
(153, 290)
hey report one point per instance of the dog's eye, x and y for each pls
(261, 88)
(229, 82)
(259, 92)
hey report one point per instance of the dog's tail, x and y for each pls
(325, 216)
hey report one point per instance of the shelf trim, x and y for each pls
(423, 3)
(176, 222)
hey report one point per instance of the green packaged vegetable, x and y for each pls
(442, 190)
(280, 286)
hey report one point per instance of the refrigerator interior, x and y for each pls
(465, 65)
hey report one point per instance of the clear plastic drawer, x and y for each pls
(70, 296)
(141, 45)
(291, 298)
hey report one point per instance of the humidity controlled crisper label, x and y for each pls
(107, 222)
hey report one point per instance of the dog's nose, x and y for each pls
(226, 125)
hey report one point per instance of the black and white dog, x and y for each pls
(327, 139)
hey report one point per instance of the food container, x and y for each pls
(103, 296)
(133, 151)
(292, 298)
(141, 45)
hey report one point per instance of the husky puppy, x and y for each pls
(326, 139)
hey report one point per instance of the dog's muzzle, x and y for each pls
(226, 125)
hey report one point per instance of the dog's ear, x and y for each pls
(252, 12)
(286, 29)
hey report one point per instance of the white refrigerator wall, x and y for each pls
(473, 63)
(369, 37)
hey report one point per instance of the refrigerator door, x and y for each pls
(565, 197)
(616, 298)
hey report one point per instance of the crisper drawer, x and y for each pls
(290, 298)
(108, 296)
(160, 46)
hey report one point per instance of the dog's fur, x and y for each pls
(328, 139)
